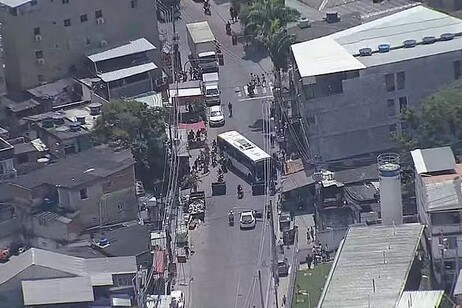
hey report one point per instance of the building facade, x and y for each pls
(439, 207)
(7, 169)
(47, 40)
(353, 86)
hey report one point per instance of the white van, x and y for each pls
(211, 89)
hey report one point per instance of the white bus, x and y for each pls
(244, 156)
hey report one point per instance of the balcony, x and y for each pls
(8, 175)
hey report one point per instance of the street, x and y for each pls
(223, 271)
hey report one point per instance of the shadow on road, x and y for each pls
(258, 125)
(254, 53)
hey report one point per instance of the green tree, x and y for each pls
(134, 125)
(263, 18)
(438, 122)
(278, 47)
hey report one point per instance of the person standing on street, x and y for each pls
(230, 109)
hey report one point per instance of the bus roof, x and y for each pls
(244, 145)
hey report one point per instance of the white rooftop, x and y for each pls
(433, 160)
(200, 32)
(57, 291)
(420, 299)
(371, 266)
(99, 270)
(136, 46)
(127, 72)
(342, 48)
(14, 3)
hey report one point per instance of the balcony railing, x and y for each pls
(8, 175)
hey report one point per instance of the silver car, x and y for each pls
(216, 116)
(247, 220)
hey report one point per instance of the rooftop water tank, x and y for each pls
(363, 52)
(80, 119)
(74, 126)
(447, 36)
(95, 108)
(304, 23)
(384, 48)
(429, 40)
(409, 43)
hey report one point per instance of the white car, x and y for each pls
(247, 220)
(216, 117)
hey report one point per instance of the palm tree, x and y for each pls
(264, 18)
(278, 45)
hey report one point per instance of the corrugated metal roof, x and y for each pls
(200, 32)
(371, 267)
(57, 291)
(411, 24)
(14, 3)
(420, 299)
(136, 46)
(433, 160)
(444, 196)
(98, 270)
(127, 72)
(458, 287)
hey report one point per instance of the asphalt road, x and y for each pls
(223, 272)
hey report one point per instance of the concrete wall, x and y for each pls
(114, 198)
(64, 47)
(359, 120)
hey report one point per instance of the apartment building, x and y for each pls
(439, 207)
(353, 85)
(7, 170)
(45, 40)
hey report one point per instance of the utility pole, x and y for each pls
(261, 290)
(274, 253)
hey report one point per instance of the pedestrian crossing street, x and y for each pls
(258, 91)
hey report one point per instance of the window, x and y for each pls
(400, 80)
(83, 18)
(122, 281)
(98, 14)
(87, 41)
(39, 54)
(40, 78)
(390, 82)
(37, 31)
(457, 69)
(67, 22)
(402, 104)
(65, 1)
(134, 3)
(83, 194)
(120, 206)
(33, 2)
(391, 110)
(13, 11)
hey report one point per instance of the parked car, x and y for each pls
(285, 220)
(247, 220)
(283, 266)
(216, 117)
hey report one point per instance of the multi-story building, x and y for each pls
(91, 188)
(353, 85)
(125, 71)
(47, 40)
(439, 207)
(7, 170)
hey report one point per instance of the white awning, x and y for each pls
(127, 72)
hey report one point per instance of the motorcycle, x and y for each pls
(240, 192)
(231, 218)
(206, 9)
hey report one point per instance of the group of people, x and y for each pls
(256, 80)
(233, 13)
(320, 254)
(197, 136)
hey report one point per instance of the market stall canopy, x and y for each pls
(192, 126)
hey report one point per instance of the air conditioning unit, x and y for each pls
(38, 38)
(100, 21)
(103, 43)
(40, 61)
